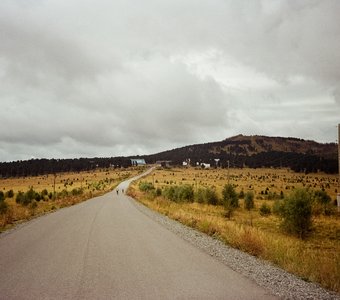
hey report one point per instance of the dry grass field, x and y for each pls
(316, 258)
(70, 188)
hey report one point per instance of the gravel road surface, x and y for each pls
(111, 247)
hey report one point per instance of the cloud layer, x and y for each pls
(106, 78)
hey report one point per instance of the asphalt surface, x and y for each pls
(105, 248)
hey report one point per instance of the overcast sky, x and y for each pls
(85, 78)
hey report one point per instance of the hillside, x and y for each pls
(240, 151)
(258, 151)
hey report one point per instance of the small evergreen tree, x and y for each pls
(265, 210)
(211, 196)
(229, 200)
(249, 201)
(3, 207)
(9, 194)
(297, 213)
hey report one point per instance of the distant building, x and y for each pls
(203, 165)
(186, 163)
(138, 162)
(164, 163)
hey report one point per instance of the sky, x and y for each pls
(102, 78)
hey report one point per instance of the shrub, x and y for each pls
(297, 213)
(265, 210)
(30, 194)
(158, 192)
(200, 195)
(146, 186)
(184, 193)
(321, 197)
(9, 194)
(211, 196)
(20, 197)
(76, 192)
(249, 200)
(3, 207)
(62, 194)
(278, 207)
(179, 193)
(321, 203)
(229, 195)
(27, 198)
(2, 196)
(229, 200)
(169, 193)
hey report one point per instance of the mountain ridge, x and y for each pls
(238, 151)
(257, 151)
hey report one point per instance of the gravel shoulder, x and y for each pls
(276, 280)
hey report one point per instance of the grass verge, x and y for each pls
(316, 259)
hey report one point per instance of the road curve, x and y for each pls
(105, 248)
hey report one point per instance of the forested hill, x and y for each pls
(258, 151)
(35, 167)
(240, 151)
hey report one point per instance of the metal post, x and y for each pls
(338, 195)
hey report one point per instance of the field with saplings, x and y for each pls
(290, 219)
(23, 198)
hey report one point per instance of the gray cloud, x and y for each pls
(106, 78)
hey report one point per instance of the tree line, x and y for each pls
(35, 167)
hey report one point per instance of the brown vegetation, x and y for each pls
(315, 258)
(52, 192)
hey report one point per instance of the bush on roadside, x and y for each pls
(278, 207)
(207, 195)
(2, 196)
(229, 200)
(63, 194)
(249, 201)
(158, 192)
(321, 203)
(76, 192)
(211, 196)
(169, 193)
(27, 198)
(200, 195)
(146, 186)
(265, 210)
(3, 207)
(9, 194)
(181, 193)
(297, 213)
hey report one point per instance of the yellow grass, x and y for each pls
(93, 183)
(316, 259)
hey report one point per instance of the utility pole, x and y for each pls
(228, 171)
(338, 195)
(55, 175)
